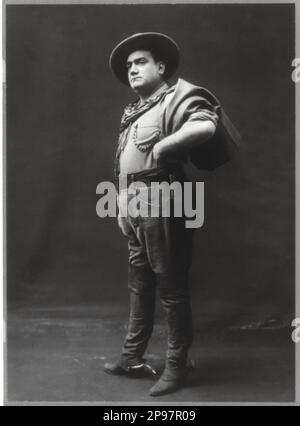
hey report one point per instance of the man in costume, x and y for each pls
(158, 132)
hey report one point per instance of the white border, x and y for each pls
(2, 183)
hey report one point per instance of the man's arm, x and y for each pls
(189, 135)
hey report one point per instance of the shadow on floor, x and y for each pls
(59, 356)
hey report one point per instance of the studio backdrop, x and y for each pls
(63, 112)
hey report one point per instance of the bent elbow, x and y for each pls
(210, 129)
(204, 129)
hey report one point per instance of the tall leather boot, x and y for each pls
(141, 284)
(175, 299)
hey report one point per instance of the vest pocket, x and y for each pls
(145, 137)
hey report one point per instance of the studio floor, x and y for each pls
(57, 356)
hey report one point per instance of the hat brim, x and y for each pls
(164, 45)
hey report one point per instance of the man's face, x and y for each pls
(144, 73)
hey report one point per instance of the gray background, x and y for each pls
(63, 111)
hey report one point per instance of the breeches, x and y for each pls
(160, 253)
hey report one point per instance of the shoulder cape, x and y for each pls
(225, 143)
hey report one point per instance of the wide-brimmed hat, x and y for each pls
(161, 43)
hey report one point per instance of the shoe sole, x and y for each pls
(130, 376)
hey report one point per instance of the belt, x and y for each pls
(168, 173)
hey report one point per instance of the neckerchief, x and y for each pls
(134, 110)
